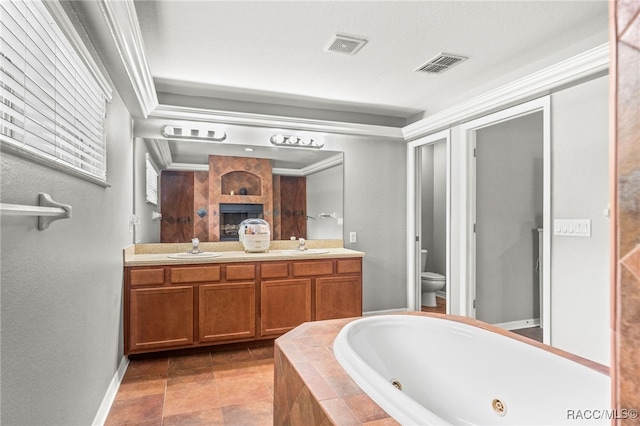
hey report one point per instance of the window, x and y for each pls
(52, 107)
(152, 183)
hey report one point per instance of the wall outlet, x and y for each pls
(352, 237)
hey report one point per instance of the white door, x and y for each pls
(470, 244)
(509, 210)
(414, 215)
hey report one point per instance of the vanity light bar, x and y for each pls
(294, 141)
(206, 134)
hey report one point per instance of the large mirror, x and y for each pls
(207, 189)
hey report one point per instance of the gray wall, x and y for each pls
(509, 193)
(580, 266)
(62, 287)
(580, 288)
(325, 195)
(375, 208)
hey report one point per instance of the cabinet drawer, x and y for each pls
(274, 270)
(195, 274)
(241, 272)
(146, 276)
(305, 269)
(349, 266)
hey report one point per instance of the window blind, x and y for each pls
(52, 107)
(152, 182)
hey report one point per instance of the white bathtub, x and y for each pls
(452, 372)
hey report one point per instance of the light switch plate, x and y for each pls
(352, 237)
(572, 227)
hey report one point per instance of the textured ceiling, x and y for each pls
(275, 52)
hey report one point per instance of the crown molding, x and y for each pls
(313, 168)
(538, 84)
(160, 152)
(121, 18)
(174, 112)
(188, 167)
(325, 164)
(321, 165)
(69, 30)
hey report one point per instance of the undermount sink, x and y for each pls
(306, 252)
(187, 255)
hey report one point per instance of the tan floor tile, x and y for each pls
(256, 413)
(265, 367)
(144, 367)
(230, 357)
(239, 371)
(233, 392)
(187, 377)
(196, 418)
(197, 396)
(263, 352)
(146, 410)
(189, 362)
(137, 386)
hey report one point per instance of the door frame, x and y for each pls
(468, 205)
(414, 226)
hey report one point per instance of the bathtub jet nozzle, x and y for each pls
(396, 384)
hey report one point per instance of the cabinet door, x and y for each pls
(338, 297)
(284, 305)
(160, 317)
(227, 311)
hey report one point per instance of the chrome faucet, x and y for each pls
(195, 249)
(301, 243)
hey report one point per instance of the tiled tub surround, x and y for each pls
(311, 388)
(625, 128)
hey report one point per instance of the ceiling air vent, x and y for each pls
(441, 63)
(346, 44)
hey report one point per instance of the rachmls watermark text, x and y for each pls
(607, 414)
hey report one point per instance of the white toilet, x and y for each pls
(431, 282)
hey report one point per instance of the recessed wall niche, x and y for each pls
(234, 182)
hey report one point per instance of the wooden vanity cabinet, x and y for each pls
(226, 311)
(160, 317)
(285, 305)
(171, 307)
(340, 296)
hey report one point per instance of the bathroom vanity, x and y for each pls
(233, 297)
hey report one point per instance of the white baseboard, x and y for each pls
(384, 312)
(516, 325)
(110, 395)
